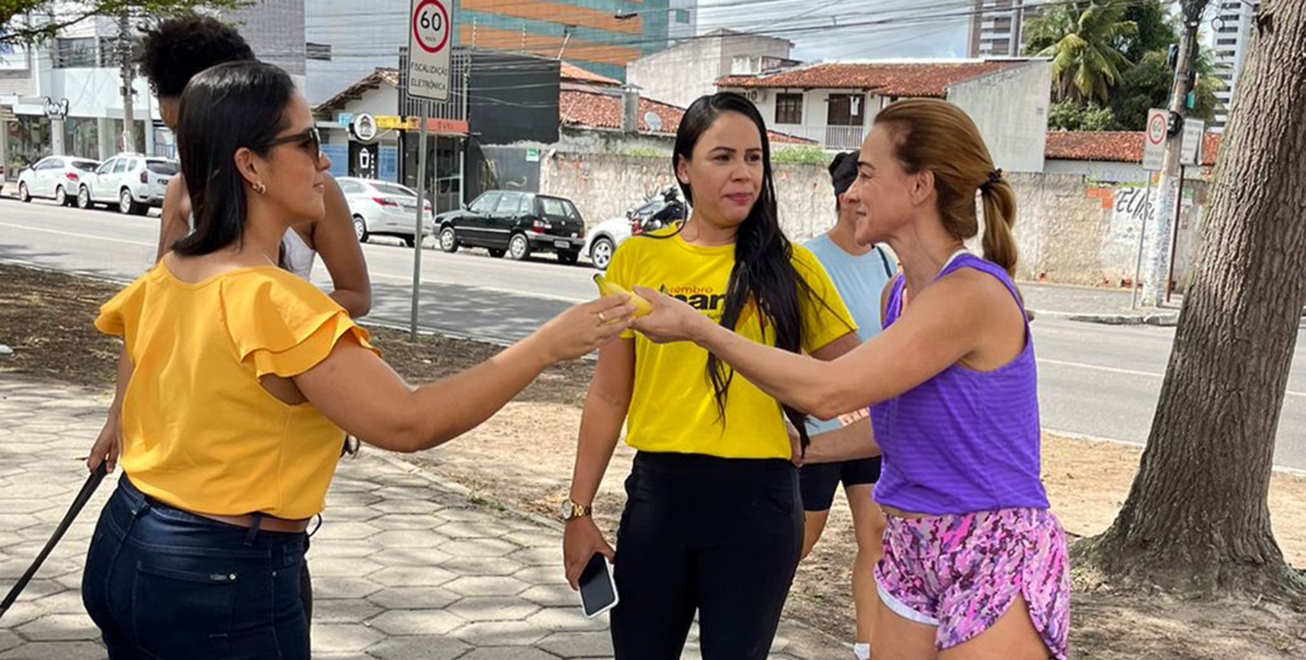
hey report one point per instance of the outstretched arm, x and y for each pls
(358, 391)
(944, 324)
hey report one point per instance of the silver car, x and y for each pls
(381, 208)
(54, 177)
(132, 182)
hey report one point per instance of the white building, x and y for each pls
(681, 74)
(1232, 40)
(835, 103)
(683, 22)
(997, 27)
(82, 65)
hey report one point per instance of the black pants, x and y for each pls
(718, 536)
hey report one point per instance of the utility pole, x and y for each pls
(128, 69)
(1156, 281)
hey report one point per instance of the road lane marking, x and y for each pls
(76, 235)
(1127, 372)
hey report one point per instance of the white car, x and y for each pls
(132, 182)
(381, 208)
(603, 239)
(54, 177)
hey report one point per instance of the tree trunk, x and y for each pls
(1197, 518)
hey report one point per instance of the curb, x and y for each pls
(1159, 319)
(1085, 437)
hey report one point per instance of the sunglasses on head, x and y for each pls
(310, 140)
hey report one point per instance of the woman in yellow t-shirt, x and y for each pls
(713, 520)
(238, 380)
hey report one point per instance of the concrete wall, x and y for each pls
(681, 74)
(1071, 228)
(275, 30)
(1078, 229)
(1010, 108)
(605, 186)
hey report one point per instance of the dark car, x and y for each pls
(514, 223)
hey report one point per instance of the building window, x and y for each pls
(321, 52)
(788, 108)
(681, 16)
(70, 53)
(82, 137)
(1226, 42)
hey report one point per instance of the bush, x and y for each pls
(800, 155)
(1076, 116)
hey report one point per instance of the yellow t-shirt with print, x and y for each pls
(673, 408)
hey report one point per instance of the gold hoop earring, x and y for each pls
(260, 188)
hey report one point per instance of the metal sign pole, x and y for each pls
(417, 225)
(1142, 237)
(427, 77)
(1174, 231)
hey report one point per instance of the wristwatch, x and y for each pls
(571, 510)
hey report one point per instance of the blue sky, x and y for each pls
(912, 28)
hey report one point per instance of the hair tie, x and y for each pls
(994, 177)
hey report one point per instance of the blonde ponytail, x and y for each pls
(934, 135)
(999, 214)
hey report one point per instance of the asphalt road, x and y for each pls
(1094, 380)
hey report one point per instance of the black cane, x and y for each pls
(88, 489)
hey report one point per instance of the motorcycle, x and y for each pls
(659, 211)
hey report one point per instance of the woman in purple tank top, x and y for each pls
(974, 563)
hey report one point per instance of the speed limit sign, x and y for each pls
(431, 23)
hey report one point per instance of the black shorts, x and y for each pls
(819, 480)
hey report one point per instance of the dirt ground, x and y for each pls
(523, 458)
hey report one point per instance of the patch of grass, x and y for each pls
(801, 155)
(646, 152)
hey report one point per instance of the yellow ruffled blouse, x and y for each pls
(199, 432)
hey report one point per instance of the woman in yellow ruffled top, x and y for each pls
(238, 381)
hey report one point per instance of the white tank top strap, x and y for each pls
(299, 256)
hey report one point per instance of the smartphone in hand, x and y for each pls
(598, 589)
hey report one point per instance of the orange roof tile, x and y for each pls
(573, 73)
(594, 109)
(382, 75)
(1112, 146)
(909, 79)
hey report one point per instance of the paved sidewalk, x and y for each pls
(1094, 305)
(404, 567)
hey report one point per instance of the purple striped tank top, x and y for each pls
(963, 440)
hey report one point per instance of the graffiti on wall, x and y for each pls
(1130, 208)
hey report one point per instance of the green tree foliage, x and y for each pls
(1075, 116)
(35, 21)
(1110, 63)
(1085, 40)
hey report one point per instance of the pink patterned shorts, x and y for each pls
(962, 572)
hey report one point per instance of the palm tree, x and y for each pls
(1083, 39)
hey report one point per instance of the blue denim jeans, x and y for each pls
(164, 584)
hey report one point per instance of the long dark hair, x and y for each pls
(224, 108)
(763, 273)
